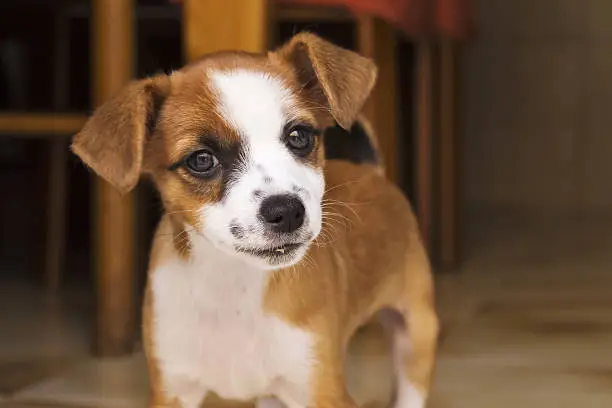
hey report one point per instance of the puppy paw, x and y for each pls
(269, 402)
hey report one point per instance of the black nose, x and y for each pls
(283, 213)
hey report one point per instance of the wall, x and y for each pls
(537, 100)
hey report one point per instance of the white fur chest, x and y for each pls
(210, 333)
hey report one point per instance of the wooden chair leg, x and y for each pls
(56, 217)
(424, 139)
(58, 152)
(245, 26)
(449, 200)
(377, 40)
(114, 236)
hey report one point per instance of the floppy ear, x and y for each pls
(342, 78)
(113, 138)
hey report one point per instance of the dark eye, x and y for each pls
(201, 163)
(301, 140)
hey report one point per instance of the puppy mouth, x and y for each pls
(281, 251)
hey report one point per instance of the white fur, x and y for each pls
(258, 107)
(211, 333)
(408, 396)
(269, 402)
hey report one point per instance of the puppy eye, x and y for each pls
(301, 140)
(201, 163)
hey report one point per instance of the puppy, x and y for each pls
(268, 257)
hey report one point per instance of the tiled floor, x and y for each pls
(528, 323)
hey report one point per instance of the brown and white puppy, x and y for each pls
(269, 256)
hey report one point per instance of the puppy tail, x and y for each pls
(359, 144)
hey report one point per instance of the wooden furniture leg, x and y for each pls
(113, 45)
(449, 200)
(56, 213)
(424, 139)
(58, 155)
(245, 26)
(377, 40)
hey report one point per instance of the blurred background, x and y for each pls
(493, 117)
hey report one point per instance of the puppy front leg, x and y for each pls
(269, 402)
(178, 393)
(328, 381)
(323, 387)
(333, 395)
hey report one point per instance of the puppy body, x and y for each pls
(269, 257)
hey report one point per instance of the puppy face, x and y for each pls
(244, 160)
(233, 143)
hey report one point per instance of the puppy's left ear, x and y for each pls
(112, 142)
(335, 76)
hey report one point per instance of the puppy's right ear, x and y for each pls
(113, 139)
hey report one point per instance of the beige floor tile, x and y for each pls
(117, 383)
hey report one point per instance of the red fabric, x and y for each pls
(420, 18)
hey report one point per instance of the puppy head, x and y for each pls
(233, 143)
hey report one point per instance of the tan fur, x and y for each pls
(369, 255)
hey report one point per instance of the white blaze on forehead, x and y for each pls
(255, 103)
(258, 106)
